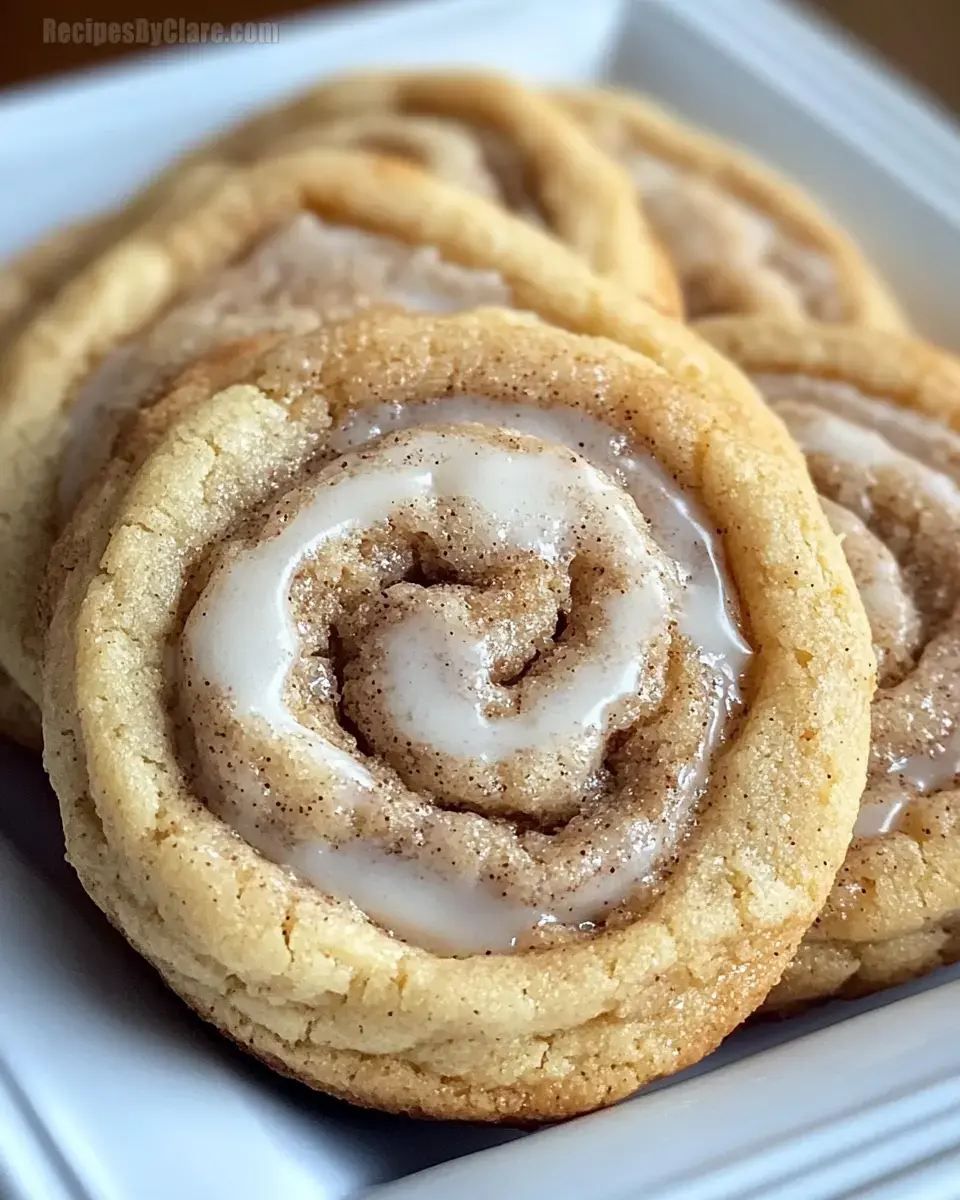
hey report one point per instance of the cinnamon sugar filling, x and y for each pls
(730, 256)
(305, 274)
(465, 678)
(891, 478)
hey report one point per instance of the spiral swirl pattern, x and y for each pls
(873, 416)
(404, 663)
(515, 783)
(741, 238)
(894, 475)
(482, 131)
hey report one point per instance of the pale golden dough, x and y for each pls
(38, 271)
(727, 190)
(209, 224)
(893, 911)
(436, 144)
(27, 281)
(32, 278)
(30, 281)
(483, 131)
(290, 974)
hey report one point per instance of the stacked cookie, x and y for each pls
(452, 678)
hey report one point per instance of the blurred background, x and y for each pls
(920, 37)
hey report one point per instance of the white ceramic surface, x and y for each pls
(109, 1089)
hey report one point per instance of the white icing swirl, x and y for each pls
(933, 770)
(437, 673)
(707, 612)
(896, 476)
(436, 665)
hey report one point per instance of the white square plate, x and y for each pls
(109, 1088)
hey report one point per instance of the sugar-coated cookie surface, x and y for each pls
(480, 130)
(214, 263)
(742, 239)
(627, 954)
(473, 689)
(877, 417)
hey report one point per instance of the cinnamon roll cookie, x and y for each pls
(26, 281)
(281, 245)
(482, 131)
(877, 417)
(742, 238)
(466, 716)
(39, 270)
(30, 281)
(32, 278)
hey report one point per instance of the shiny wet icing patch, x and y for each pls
(530, 826)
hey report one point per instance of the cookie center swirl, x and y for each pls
(890, 477)
(455, 680)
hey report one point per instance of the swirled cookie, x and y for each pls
(875, 416)
(482, 131)
(32, 280)
(38, 272)
(281, 245)
(26, 281)
(742, 238)
(464, 715)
